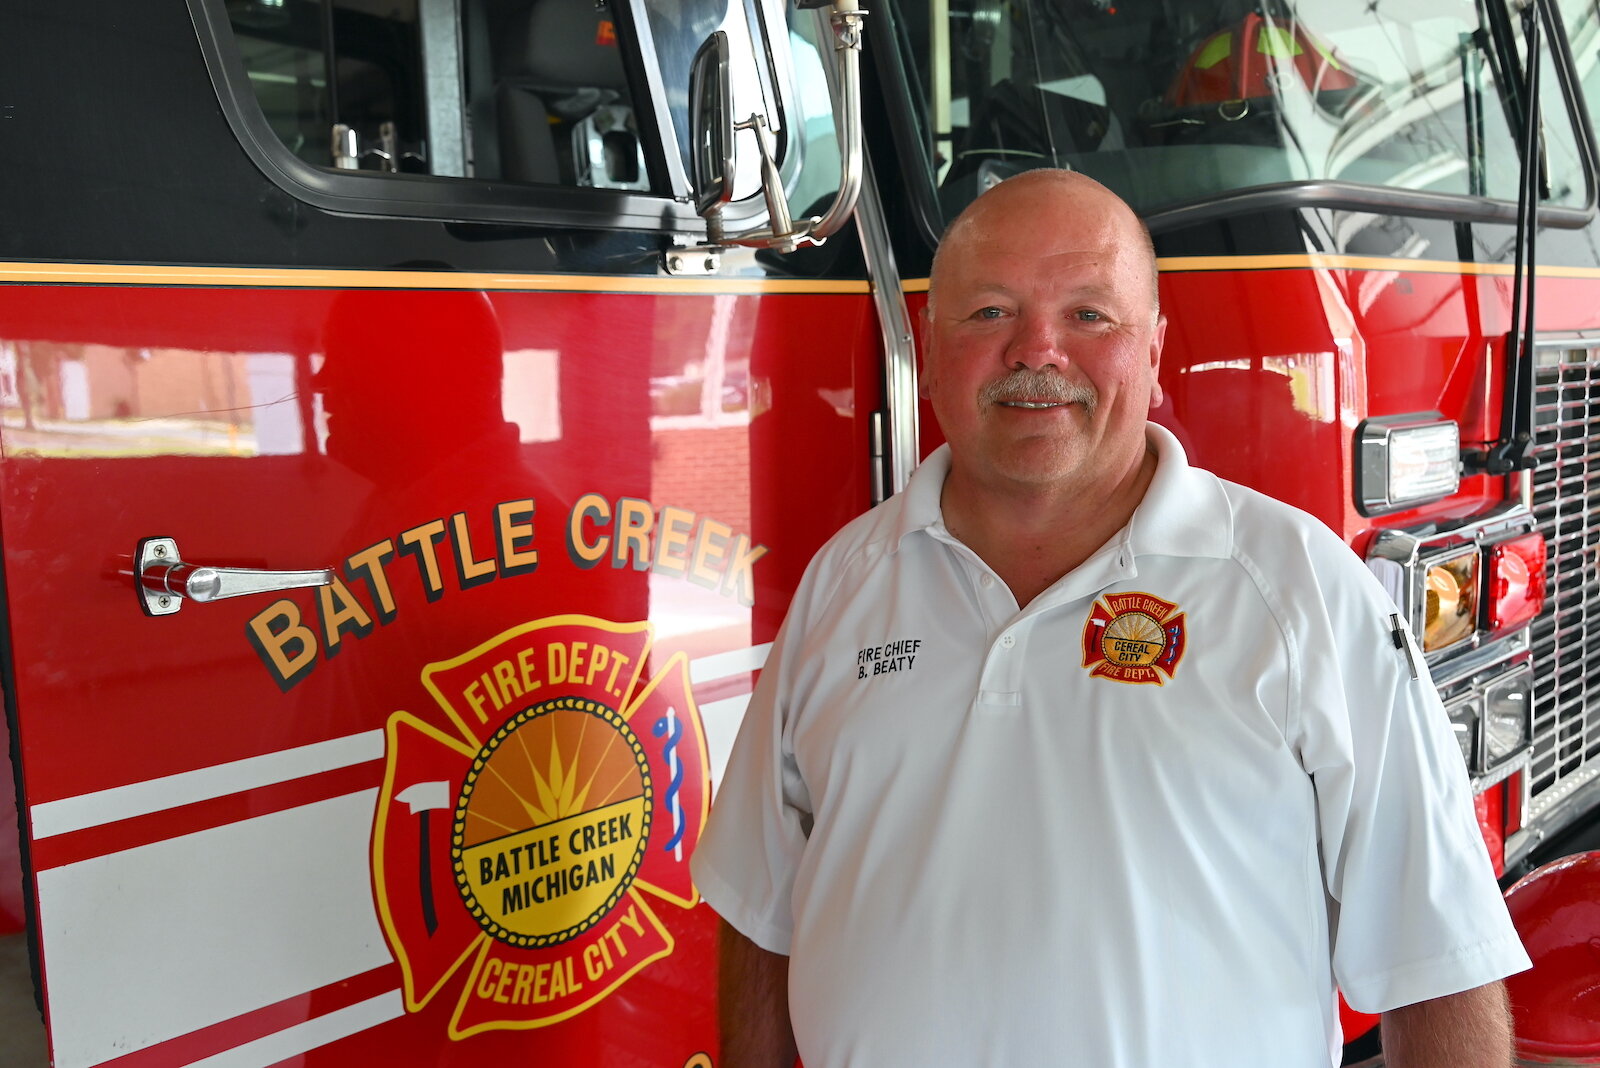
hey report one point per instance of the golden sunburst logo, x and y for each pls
(545, 844)
(1134, 638)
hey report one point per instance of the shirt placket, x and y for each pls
(1003, 682)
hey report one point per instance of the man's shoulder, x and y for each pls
(855, 548)
(1192, 512)
(1274, 532)
(1301, 566)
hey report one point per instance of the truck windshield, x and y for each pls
(1172, 103)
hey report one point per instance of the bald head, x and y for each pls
(1044, 193)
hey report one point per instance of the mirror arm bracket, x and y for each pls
(848, 21)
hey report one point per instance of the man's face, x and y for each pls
(1041, 351)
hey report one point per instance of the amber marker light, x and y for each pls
(1451, 589)
(1516, 582)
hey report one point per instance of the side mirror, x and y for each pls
(711, 146)
(711, 126)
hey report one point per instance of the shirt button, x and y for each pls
(1008, 641)
(987, 581)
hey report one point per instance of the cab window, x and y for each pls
(514, 90)
(519, 94)
(1172, 104)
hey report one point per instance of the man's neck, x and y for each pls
(1033, 535)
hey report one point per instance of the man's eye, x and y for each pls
(990, 312)
(1089, 315)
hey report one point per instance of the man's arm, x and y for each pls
(753, 989)
(1471, 1029)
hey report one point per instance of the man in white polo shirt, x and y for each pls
(1072, 754)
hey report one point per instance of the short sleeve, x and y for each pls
(745, 862)
(1415, 910)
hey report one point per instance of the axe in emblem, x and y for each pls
(423, 798)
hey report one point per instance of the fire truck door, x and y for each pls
(433, 802)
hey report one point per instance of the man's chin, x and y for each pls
(1038, 464)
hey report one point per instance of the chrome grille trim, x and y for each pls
(1564, 495)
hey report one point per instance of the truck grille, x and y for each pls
(1566, 636)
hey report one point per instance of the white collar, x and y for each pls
(1184, 512)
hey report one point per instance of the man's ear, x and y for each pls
(1158, 337)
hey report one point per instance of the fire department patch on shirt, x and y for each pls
(1134, 638)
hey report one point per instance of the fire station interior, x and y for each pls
(22, 1040)
(22, 1035)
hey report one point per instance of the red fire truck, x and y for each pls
(416, 414)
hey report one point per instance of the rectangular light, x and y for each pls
(1405, 461)
(1450, 599)
(1424, 462)
(1515, 588)
(1506, 709)
(1465, 588)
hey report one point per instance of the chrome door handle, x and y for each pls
(164, 579)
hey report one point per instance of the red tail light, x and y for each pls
(1516, 582)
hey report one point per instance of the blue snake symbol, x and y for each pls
(670, 727)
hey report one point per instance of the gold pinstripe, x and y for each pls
(321, 278)
(313, 278)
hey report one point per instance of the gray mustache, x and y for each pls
(1026, 385)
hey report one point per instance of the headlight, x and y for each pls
(1505, 716)
(1424, 462)
(1401, 461)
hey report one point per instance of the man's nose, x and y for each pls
(1037, 343)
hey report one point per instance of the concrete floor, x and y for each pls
(22, 1042)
